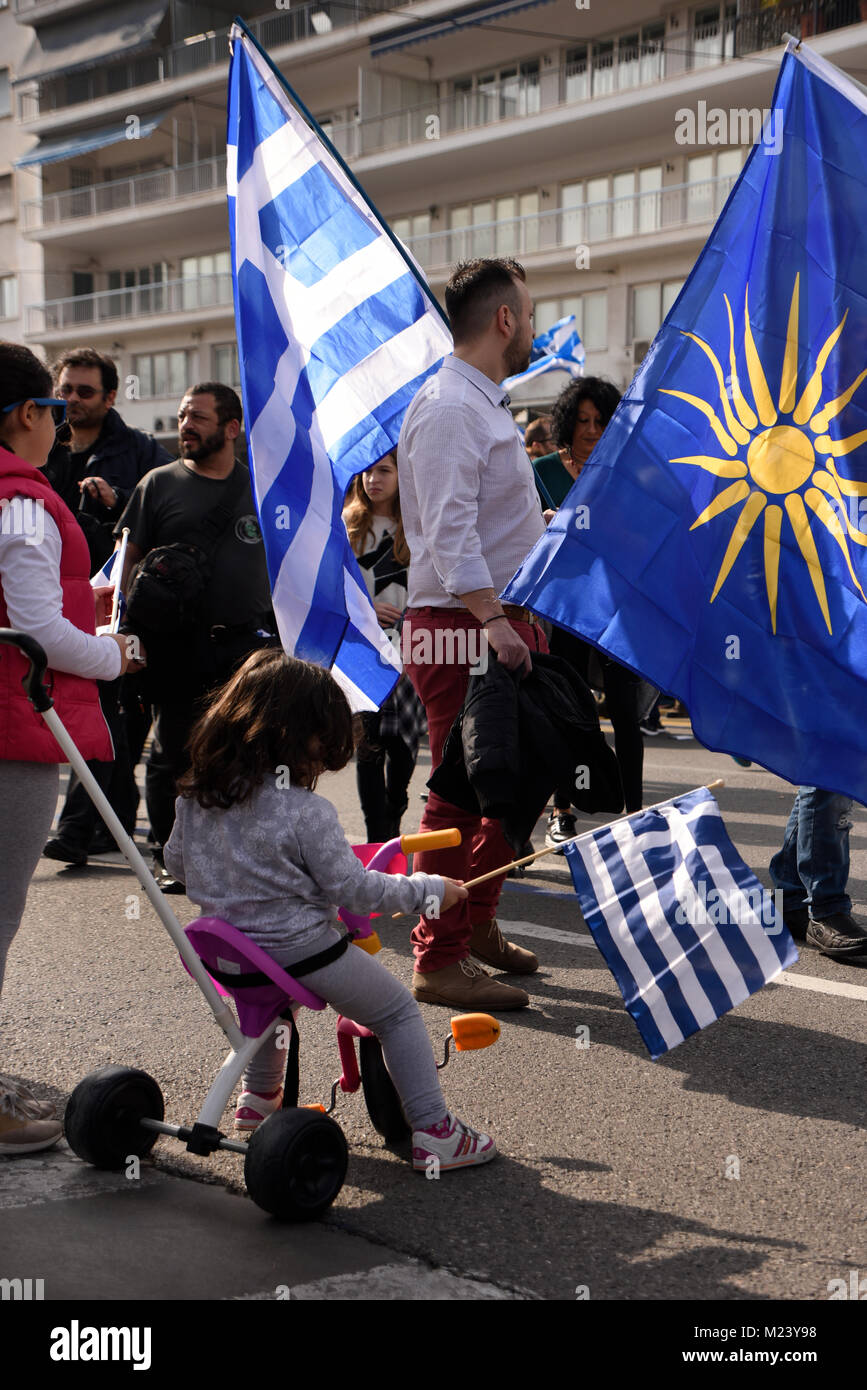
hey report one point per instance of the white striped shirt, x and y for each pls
(470, 508)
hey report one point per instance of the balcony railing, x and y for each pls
(157, 186)
(591, 224)
(141, 301)
(196, 53)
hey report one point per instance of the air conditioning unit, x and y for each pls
(640, 349)
(159, 425)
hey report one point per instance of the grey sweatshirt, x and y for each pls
(278, 866)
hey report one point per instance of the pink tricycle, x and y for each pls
(295, 1162)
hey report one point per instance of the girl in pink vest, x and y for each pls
(45, 591)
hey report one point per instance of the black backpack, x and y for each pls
(168, 586)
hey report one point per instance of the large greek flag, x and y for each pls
(558, 349)
(684, 925)
(336, 333)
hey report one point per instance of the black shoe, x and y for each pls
(650, 729)
(67, 854)
(520, 870)
(102, 844)
(839, 937)
(796, 921)
(166, 883)
(562, 825)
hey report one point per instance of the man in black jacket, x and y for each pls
(95, 464)
(97, 459)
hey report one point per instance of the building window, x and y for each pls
(7, 206)
(405, 228)
(619, 205)
(226, 366)
(8, 297)
(650, 305)
(207, 280)
(507, 226)
(713, 34)
(591, 317)
(710, 178)
(496, 96)
(138, 291)
(162, 373)
(5, 97)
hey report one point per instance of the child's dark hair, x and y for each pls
(275, 712)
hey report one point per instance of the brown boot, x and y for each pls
(488, 944)
(466, 986)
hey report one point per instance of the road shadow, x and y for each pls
(507, 1223)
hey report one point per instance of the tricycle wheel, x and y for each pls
(380, 1097)
(103, 1114)
(295, 1164)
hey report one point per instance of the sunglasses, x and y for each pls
(84, 393)
(59, 406)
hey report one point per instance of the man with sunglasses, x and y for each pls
(95, 465)
(98, 459)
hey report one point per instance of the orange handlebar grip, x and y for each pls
(371, 944)
(474, 1031)
(431, 839)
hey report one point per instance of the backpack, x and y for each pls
(168, 587)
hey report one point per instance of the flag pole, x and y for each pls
(585, 835)
(115, 602)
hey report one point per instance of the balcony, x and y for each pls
(561, 230)
(203, 292)
(192, 55)
(142, 190)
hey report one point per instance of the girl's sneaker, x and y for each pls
(20, 1132)
(453, 1144)
(253, 1109)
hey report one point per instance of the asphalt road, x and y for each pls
(732, 1169)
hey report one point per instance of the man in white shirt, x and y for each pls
(471, 514)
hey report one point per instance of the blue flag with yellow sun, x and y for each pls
(716, 541)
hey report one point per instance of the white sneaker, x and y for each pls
(562, 825)
(253, 1109)
(457, 1147)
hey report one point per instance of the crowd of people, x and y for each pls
(438, 527)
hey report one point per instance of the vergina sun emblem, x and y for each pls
(771, 451)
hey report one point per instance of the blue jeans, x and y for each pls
(812, 867)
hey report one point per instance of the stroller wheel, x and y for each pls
(295, 1164)
(380, 1096)
(103, 1113)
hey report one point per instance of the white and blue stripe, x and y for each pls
(336, 333)
(638, 879)
(559, 349)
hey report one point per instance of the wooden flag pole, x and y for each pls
(585, 834)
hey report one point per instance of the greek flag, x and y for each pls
(336, 333)
(685, 927)
(557, 349)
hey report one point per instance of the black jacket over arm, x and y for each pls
(515, 740)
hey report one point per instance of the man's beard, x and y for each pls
(517, 357)
(198, 450)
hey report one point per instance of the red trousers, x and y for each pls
(440, 676)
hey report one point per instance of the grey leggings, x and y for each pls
(28, 800)
(358, 987)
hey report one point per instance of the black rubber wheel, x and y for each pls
(103, 1113)
(380, 1097)
(295, 1164)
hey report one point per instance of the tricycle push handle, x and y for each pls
(32, 682)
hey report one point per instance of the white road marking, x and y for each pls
(811, 982)
(408, 1280)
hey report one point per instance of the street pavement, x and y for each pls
(731, 1169)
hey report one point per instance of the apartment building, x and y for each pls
(544, 129)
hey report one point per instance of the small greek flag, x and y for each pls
(110, 572)
(558, 349)
(336, 333)
(685, 927)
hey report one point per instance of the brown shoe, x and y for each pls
(487, 942)
(20, 1133)
(466, 986)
